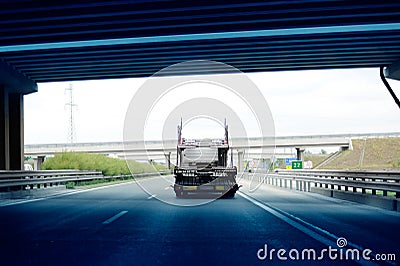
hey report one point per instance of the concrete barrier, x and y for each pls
(388, 203)
(40, 192)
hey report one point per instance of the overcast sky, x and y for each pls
(302, 103)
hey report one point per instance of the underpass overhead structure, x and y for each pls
(44, 41)
(75, 40)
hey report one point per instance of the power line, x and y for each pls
(71, 108)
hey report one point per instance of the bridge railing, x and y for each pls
(380, 183)
(26, 180)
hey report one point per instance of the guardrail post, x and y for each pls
(373, 191)
(363, 190)
(397, 195)
(38, 186)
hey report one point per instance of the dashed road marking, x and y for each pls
(311, 230)
(115, 217)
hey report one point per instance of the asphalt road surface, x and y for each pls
(123, 225)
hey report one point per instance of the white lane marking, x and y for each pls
(152, 196)
(21, 202)
(115, 217)
(166, 188)
(319, 234)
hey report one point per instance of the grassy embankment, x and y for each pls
(379, 154)
(97, 162)
(316, 158)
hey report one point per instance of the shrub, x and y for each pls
(70, 185)
(97, 162)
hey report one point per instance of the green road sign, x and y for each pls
(297, 165)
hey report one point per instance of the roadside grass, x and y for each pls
(380, 154)
(316, 158)
(98, 162)
(380, 193)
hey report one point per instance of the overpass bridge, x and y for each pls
(170, 145)
(280, 147)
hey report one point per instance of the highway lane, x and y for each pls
(141, 230)
(367, 226)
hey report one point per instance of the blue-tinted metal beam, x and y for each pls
(15, 81)
(312, 42)
(392, 71)
(206, 36)
(234, 52)
(134, 65)
(255, 56)
(253, 67)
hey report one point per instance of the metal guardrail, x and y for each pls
(357, 181)
(25, 180)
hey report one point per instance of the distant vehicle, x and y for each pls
(28, 167)
(202, 169)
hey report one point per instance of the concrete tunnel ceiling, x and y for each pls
(81, 40)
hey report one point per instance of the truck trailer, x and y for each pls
(202, 168)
